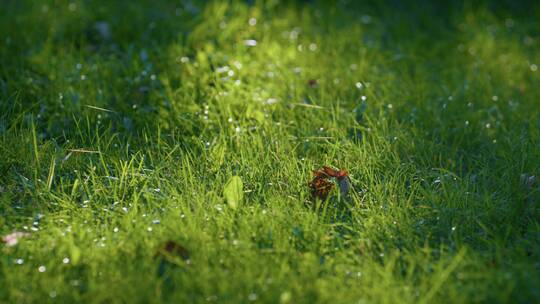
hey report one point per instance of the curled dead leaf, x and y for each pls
(324, 181)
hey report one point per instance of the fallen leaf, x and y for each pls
(320, 186)
(325, 179)
(234, 191)
(168, 254)
(173, 249)
(13, 238)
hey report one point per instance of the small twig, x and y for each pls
(307, 105)
(317, 137)
(84, 151)
(99, 109)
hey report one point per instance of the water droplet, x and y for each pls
(366, 19)
(250, 42)
(294, 34)
(271, 101)
(223, 69)
(212, 298)
(285, 297)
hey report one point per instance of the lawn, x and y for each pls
(161, 151)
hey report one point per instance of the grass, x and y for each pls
(121, 123)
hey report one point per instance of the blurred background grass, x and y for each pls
(433, 108)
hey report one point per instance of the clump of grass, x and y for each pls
(122, 125)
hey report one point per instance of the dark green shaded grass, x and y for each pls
(114, 143)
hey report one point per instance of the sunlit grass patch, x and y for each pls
(163, 151)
